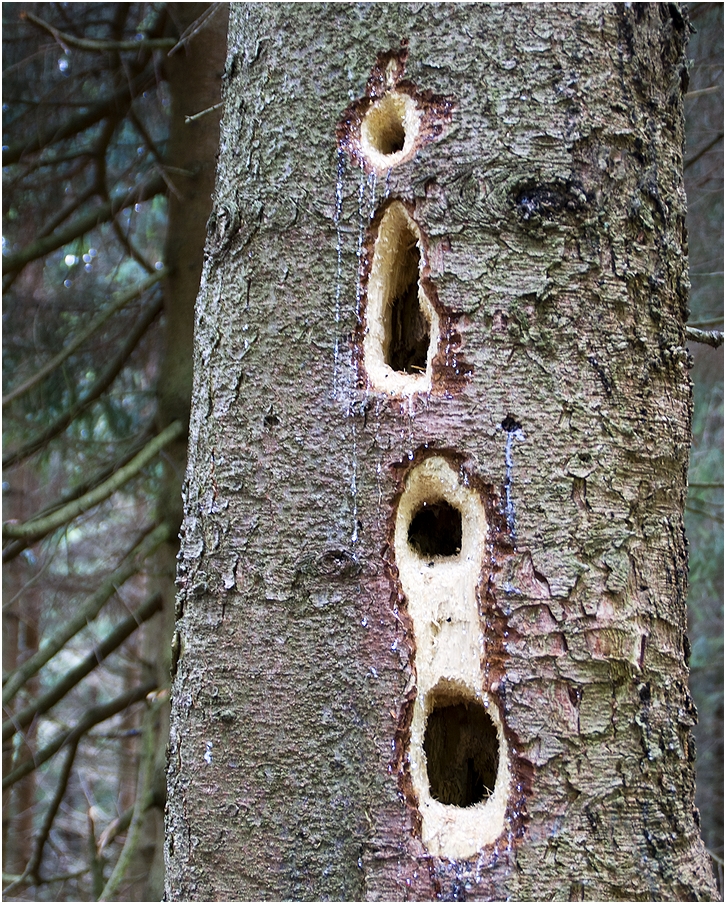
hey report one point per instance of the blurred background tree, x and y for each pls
(110, 134)
(111, 126)
(704, 518)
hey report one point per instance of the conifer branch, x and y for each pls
(103, 382)
(130, 565)
(120, 302)
(110, 643)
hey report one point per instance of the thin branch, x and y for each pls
(692, 160)
(91, 718)
(50, 814)
(707, 322)
(146, 775)
(101, 384)
(121, 823)
(144, 133)
(714, 338)
(196, 27)
(698, 92)
(46, 881)
(50, 553)
(713, 516)
(16, 547)
(121, 301)
(39, 528)
(102, 214)
(131, 250)
(130, 565)
(66, 40)
(65, 212)
(70, 679)
(191, 119)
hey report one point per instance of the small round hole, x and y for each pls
(462, 750)
(389, 129)
(436, 530)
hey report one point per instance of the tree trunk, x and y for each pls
(194, 74)
(431, 637)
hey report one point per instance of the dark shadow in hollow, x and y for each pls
(409, 327)
(436, 530)
(462, 751)
(392, 137)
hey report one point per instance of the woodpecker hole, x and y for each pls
(402, 325)
(389, 129)
(462, 750)
(436, 530)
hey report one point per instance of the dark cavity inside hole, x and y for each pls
(462, 752)
(391, 138)
(436, 530)
(409, 336)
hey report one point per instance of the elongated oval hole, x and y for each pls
(408, 327)
(462, 750)
(401, 323)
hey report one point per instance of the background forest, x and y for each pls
(110, 128)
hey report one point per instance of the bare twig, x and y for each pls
(699, 92)
(129, 566)
(121, 301)
(70, 679)
(714, 338)
(708, 147)
(196, 26)
(100, 385)
(191, 119)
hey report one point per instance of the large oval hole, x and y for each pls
(462, 751)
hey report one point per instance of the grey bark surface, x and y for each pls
(552, 214)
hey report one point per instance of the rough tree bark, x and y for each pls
(431, 635)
